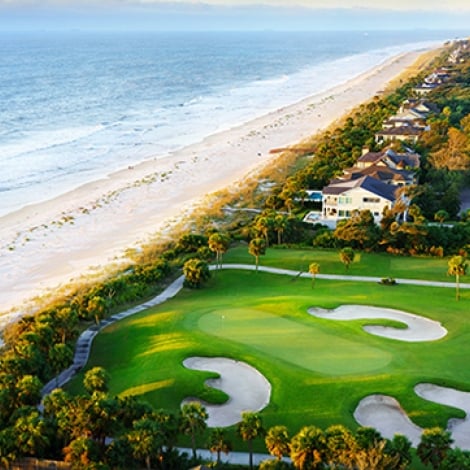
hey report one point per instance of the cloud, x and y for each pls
(233, 15)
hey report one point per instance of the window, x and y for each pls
(371, 200)
(345, 200)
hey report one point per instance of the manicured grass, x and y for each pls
(365, 264)
(268, 333)
(319, 369)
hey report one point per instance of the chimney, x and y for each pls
(365, 150)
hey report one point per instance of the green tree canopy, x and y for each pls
(314, 269)
(219, 243)
(218, 442)
(196, 272)
(249, 429)
(457, 266)
(434, 445)
(346, 255)
(193, 421)
(277, 441)
(256, 248)
(96, 380)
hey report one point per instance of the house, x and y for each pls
(438, 77)
(389, 158)
(343, 197)
(424, 88)
(387, 166)
(396, 121)
(382, 173)
(371, 184)
(403, 134)
(425, 107)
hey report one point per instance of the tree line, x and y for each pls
(94, 430)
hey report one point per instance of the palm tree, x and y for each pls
(307, 448)
(280, 224)
(60, 356)
(400, 447)
(193, 421)
(434, 445)
(314, 269)
(250, 428)
(289, 203)
(257, 247)
(341, 445)
(367, 437)
(218, 442)
(31, 434)
(375, 457)
(457, 266)
(169, 428)
(97, 307)
(7, 447)
(96, 380)
(196, 272)
(441, 216)
(346, 255)
(263, 225)
(277, 441)
(81, 452)
(218, 243)
(145, 440)
(28, 391)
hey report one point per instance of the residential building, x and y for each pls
(343, 197)
(403, 134)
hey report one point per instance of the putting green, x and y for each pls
(296, 343)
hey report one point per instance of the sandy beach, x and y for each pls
(47, 245)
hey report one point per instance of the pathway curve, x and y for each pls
(340, 277)
(84, 342)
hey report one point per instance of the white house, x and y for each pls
(342, 197)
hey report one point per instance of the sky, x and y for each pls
(233, 14)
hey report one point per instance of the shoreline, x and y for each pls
(52, 243)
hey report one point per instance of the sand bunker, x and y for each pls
(247, 388)
(460, 428)
(387, 416)
(419, 328)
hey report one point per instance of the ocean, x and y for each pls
(75, 107)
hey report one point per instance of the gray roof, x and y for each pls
(383, 173)
(403, 130)
(409, 159)
(367, 183)
(370, 157)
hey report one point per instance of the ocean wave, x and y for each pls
(35, 141)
